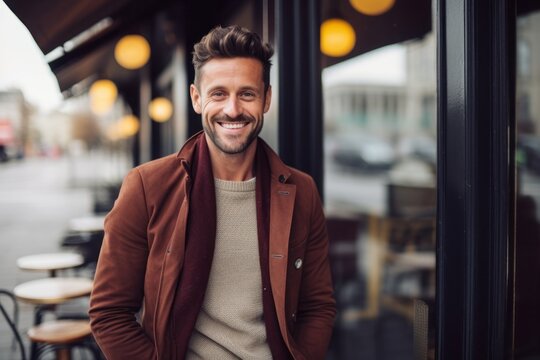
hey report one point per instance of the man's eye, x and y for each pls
(218, 94)
(248, 95)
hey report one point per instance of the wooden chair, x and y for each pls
(61, 336)
(410, 201)
(394, 243)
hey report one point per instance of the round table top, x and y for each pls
(87, 223)
(53, 290)
(54, 261)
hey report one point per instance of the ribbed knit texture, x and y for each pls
(230, 324)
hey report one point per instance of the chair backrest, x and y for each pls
(411, 201)
(88, 244)
(12, 321)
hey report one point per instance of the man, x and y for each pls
(223, 244)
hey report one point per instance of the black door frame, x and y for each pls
(300, 87)
(476, 103)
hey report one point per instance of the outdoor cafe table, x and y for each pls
(50, 262)
(87, 224)
(52, 291)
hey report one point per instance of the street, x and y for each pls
(36, 203)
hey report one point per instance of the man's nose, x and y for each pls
(232, 107)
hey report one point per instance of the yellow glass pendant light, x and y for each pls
(337, 37)
(102, 94)
(372, 7)
(132, 52)
(160, 109)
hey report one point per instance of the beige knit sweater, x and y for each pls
(230, 324)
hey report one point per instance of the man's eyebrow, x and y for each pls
(243, 88)
(214, 88)
(252, 88)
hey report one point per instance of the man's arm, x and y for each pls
(119, 281)
(316, 306)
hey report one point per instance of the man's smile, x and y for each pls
(232, 125)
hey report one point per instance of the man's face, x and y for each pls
(231, 100)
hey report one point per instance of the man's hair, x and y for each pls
(230, 42)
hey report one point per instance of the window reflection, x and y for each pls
(380, 162)
(527, 246)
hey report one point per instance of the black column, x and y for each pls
(475, 178)
(300, 94)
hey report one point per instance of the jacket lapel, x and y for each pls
(282, 199)
(281, 213)
(173, 260)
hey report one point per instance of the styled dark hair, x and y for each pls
(229, 42)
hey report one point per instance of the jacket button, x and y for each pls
(298, 263)
(281, 179)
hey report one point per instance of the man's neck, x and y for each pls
(237, 167)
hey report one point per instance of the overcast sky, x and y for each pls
(22, 64)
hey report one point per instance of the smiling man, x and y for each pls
(223, 245)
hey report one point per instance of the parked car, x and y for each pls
(362, 152)
(423, 148)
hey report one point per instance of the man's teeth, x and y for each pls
(234, 125)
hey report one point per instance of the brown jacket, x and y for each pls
(142, 257)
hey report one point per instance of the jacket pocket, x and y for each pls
(295, 268)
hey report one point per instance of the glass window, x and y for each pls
(523, 64)
(380, 197)
(527, 243)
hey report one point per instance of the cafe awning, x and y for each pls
(78, 37)
(54, 22)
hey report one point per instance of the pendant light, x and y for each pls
(372, 7)
(132, 52)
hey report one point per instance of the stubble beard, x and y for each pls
(238, 146)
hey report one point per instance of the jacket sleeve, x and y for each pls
(119, 281)
(316, 307)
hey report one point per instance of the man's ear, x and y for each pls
(195, 99)
(267, 98)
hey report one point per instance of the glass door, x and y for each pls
(380, 152)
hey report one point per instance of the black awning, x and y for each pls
(54, 22)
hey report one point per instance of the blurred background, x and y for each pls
(89, 90)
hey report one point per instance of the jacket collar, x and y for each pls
(188, 149)
(280, 172)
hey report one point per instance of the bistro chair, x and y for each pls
(88, 244)
(12, 320)
(407, 237)
(59, 336)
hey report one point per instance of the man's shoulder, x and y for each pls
(166, 165)
(305, 184)
(157, 177)
(279, 168)
(299, 177)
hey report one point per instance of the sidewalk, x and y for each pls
(36, 203)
